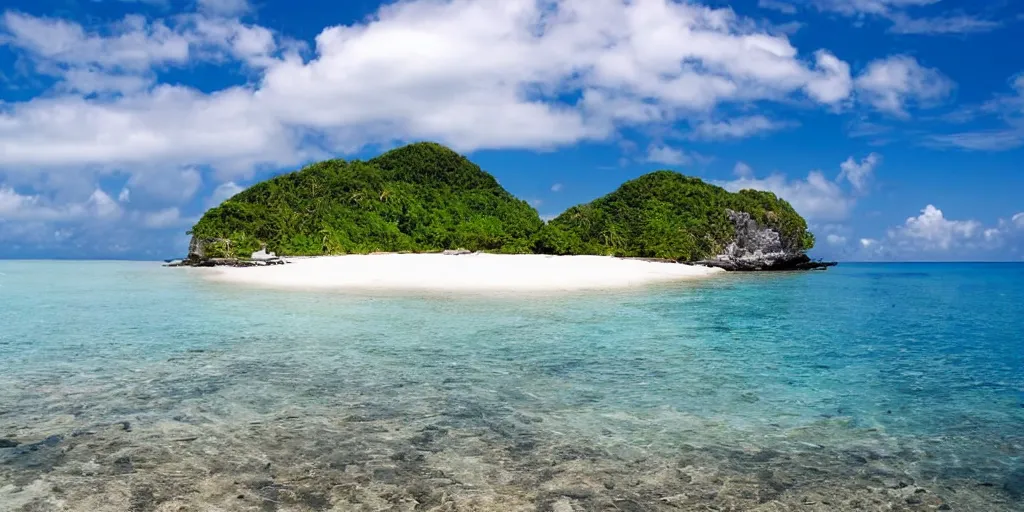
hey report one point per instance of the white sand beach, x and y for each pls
(467, 272)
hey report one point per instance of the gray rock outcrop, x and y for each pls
(759, 247)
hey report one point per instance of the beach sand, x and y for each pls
(466, 272)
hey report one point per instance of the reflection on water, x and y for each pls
(131, 387)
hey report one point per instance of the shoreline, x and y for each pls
(477, 272)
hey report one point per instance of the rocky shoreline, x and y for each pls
(761, 249)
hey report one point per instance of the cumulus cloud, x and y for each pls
(931, 235)
(130, 44)
(834, 239)
(815, 197)
(122, 57)
(223, 192)
(469, 73)
(662, 154)
(932, 230)
(859, 174)
(742, 170)
(557, 187)
(890, 84)
(15, 206)
(163, 218)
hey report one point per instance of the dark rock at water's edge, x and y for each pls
(801, 262)
(200, 254)
(759, 248)
(223, 262)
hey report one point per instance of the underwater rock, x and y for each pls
(1014, 484)
(8, 443)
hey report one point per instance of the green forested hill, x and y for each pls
(421, 197)
(424, 198)
(667, 215)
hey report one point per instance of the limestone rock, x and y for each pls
(759, 247)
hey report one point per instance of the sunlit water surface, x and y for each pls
(129, 386)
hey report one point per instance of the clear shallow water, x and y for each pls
(867, 387)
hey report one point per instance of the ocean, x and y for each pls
(129, 386)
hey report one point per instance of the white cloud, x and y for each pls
(36, 208)
(932, 230)
(890, 84)
(171, 185)
(662, 154)
(859, 174)
(633, 63)
(125, 196)
(816, 197)
(742, 170)
(736, 128)
(102, 205)
(836, 240)
(121, 58)
(163, 218)
(11, 203)
(933, 236)
(131, 44)
(469, 73)
(833, 83)
(557, 187)
(223, 192)
(173, 125)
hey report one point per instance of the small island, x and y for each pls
(426, 198)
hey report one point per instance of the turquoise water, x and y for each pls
(129, 386)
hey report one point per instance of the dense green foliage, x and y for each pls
(425, 197)
(422, 197)
(667, 215)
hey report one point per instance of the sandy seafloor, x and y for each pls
(132, 387)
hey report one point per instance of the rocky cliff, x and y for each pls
(756, 247)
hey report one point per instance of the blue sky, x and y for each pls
(895, 126)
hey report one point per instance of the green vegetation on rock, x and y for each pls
(667, 215)
(426, 198)
(419, 198)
